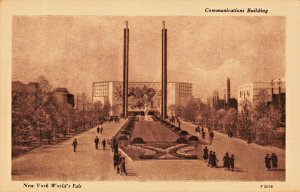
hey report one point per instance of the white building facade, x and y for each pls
(250, 91)
(139, 94)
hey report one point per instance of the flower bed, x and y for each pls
(154, 151)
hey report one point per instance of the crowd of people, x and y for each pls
(210, 134)
(211, 158)
(118, 160)
(113, 119)
(271, 162)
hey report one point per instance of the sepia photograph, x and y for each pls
(106, 98)
(153, 96)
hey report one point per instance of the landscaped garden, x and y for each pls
(157, 139)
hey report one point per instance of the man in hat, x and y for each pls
(226, 164)
(74, 144)
(211, 137)
(96, 142)
(274, 160)
(103, 144)
(210, 158)
(205, 153)
(214, 160)
(268, 162)
(197, 129)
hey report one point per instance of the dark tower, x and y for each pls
(125, 70)
(164, 73)
(228, 91)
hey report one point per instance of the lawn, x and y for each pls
(153, 131)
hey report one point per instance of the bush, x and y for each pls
(193, 138)
(177, 129)
(128, 128)
(123, 137)
(137, 140)
(126, 132)
(183, 133)
(181, 140)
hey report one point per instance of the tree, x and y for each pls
(274, 115)
(42, 122)
(115, 109)
(230, 119)
(179, 110)
(106, 109)
(220, 118)
(25, 133)
(261, 104)
(172, 109)
(44, 86)
(264, 130)
(245, 118)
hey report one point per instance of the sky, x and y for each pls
(75, 51)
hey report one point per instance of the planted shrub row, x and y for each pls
(137, 140)
(127, 130)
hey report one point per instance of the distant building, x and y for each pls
(227, 102)
(276, 93)
(140, 94)
(63, 96)
(28, 97)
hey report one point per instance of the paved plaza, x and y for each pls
(59, 162)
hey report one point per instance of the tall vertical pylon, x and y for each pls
(164, 73)
(125, 70)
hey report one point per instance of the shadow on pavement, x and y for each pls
(279, 170)
(131, 174)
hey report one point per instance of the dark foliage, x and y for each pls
(183, 133)
(137, 140)
(181, 140)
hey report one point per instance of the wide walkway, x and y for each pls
(59, 162)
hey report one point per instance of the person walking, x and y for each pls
(214, 160)
(103, 144)
(112, 142)
(116, 147)
(211, 137)
(101, 129)
(226, 163)
(123, 166)
(205, 153)
(210, 159)
(96, 142)
(197, 129)
(116, 161)
(274, 160)
(98, 129)
(231, 162)
(179, 123)
(268, 162)
(203, 135)
(74, 144)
